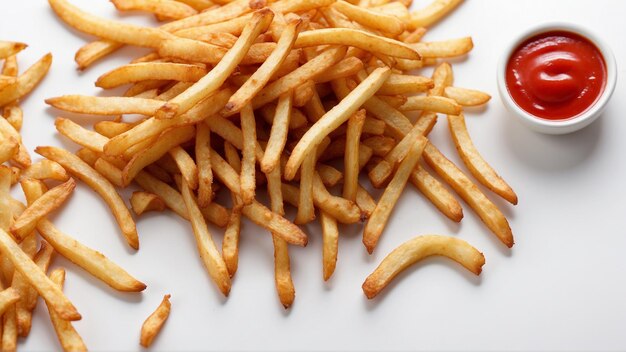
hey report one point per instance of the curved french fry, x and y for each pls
(68, 337)
(27, 81)
(165, 8)
(417, 249)
(371, 18)
(148, 71)
(155, 321)
(432, 13)
(105, 105)
(467, 97)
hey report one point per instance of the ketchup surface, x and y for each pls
(556, 75)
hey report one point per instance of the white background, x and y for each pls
(562, 287)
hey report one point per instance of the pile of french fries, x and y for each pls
(313, 102)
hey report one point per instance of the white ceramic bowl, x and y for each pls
(569, 125)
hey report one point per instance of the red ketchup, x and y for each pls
(556, 75)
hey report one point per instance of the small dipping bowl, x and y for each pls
(566, 124)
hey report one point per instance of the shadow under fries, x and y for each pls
(550, 153)
(371, 304)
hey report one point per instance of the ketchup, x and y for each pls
(556, 75)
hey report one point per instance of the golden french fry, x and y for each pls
(9, 330)
(94, 51)
(9, 147)
(467, 97)
(330, 239)
(186, 165)
(144, 201)
(431, 103)
(80, 135)
(351, 160)
(46, 170)
(8, 297)
(308, 71)
(164, 8)
(168, 140)
(432, 189)
(10, 48)
(359, 39)
(107, 29)
(112, 129)
(26, 82)
(155, 321)
(260, 78)
(371, 18)
(69, 339)
(432, 13)
(378, 220)
(203, 161)
(278, 134)
(405, 84)
(37, 278)
(344, 68)
(486, 210)
(303, 93)
(230, 244)
(380, 145)
(211, 257)
(335, 117)
(14, 115)
(132, 73)
(248, 160)
(216, 77)
(105, 105)
(442, 78)
(102, 186)
(52, 200)
(445, 48)
(483, 172)
(416, 249)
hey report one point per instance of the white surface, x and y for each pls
(562, 287)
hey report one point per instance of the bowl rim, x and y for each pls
(582, 119)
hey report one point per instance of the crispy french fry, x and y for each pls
(436, 193)
(445, 48)
(260, 78)
(132, 73)
(351, 160)
(330, 239)
(335, 117)
(442, 78)
(405, 84)
(211, 257)
(216, 77)
(14, 115)
(105, 105)
(371, 18)
(10, 48)
(417, 249)
(9, 147)
(9, 330)
(93, 179)
(483, 172)
(359, 39)
(8, 298)
(26, 82)
(154, 323)
(80, 135)
(432, 13)
(278, 134)
(69, 339)
(203, 161)
(186, 165)
(46, 170)
(431, 103)
(230, 245)
(378, 220)
(52, 200)
(37, 278)
(467, 97)
(248, 160)
(164, 8)
(144, 201)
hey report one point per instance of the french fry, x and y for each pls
(46, 170)
(303, 93)
(335, 117)
(432, 13)
(132, 73)
(154, 323)
(8, 148)
(142, 202)
(365, 202)
(9, 330)
(168, 140)
(330, 239)
(417, 249)
(52, 200)
(248, 160)
(371, 18)
(467, 97)
(211, 257)
(37, 278)
(378, 220)
(93, 179)
(26, 82)
(380, 145)
(107, 29)
(486, 210)
(216, 77)
(351, 160)
(14, 115)
(230, 244)
(359, 39)
(442, 78)
(105, 105)
(483, 172)
(8, 298)
(69, 339)
(405, 84)
(186, 165)
(260, 78)
(203, 161)
(80, 135)
(168, 9)
(278, 134)
(431, 103)
(445, 48)
(432, 189)
(10, 48)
